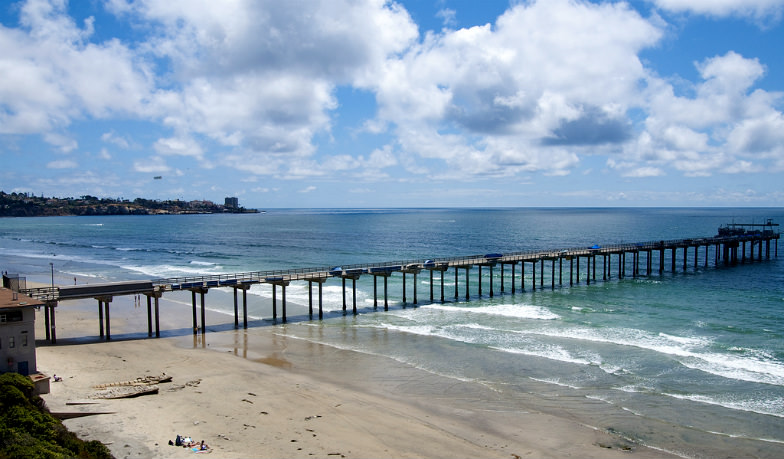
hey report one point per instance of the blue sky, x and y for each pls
(429, 103)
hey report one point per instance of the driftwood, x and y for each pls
(77, 414)
(140, 381)
(127, 391)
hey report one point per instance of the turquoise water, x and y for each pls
(691, 362)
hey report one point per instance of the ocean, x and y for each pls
(690, 362)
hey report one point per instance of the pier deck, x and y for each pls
(729, 247)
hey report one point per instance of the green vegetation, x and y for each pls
(27, 205)
(28, 430)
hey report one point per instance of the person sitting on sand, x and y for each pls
(203, 446)
(57, 378)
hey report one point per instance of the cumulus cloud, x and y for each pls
(499, 100)
(724, 122)
(154, 164)
(52, 74)
(752, 8)
(254, 86)
(62, 164)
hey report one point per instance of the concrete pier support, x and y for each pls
(156, 295)
(105, 301)
(52, 329)
(513, 277)
(588, 271)
(431, 285)
(319, 281)
(479, 280)
(47, 326)
(149, 316)
(467, 281)
(282, 284)
(157, 317)
(193, 304)
(375, 290)
(522, 275)
(560, 271)
(577, 277)
(571, 271)
(236, 310)
(533, 278)
(456, 276)
(202, 292)
(244, 288)
(100, 318)
(491, 281)
(386, 302)
(442, 285)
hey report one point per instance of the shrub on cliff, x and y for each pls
(28, 430)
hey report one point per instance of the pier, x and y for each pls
(735, 244)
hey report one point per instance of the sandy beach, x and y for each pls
(259, 393)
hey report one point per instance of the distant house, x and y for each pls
(17, 336)
(232, 203)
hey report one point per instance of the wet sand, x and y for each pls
(260, 393)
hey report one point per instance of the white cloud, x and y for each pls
(525, 95)
(751, 8)
(261, 75)
(62, 164)
(178, 146)
(254, 86)
(154, 164)
(64, 143)
(104, 154)
(53, 75)
(113, 138)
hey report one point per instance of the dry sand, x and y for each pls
(244, 394)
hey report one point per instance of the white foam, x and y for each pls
(551, 352)
(755, 406)
(692, 352)
(202, 263)
(521, 311)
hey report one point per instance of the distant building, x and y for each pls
(232, 203)
(17, 336)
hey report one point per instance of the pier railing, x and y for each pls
(729, 248)
(418, 264)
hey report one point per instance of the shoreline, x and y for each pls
(270, 402)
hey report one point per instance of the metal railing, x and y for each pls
(317, 273)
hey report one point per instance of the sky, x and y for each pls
(408, 103)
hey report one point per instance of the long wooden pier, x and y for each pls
(735, 244)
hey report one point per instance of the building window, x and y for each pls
(24, 340)
(11, 316)
(11, 343)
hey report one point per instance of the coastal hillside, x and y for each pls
(27, 205)
(27, 429)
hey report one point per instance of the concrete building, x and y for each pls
(17, 336)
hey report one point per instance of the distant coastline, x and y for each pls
(26, 205)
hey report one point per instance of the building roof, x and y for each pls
(7, 300)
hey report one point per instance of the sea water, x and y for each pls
(690, 362)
